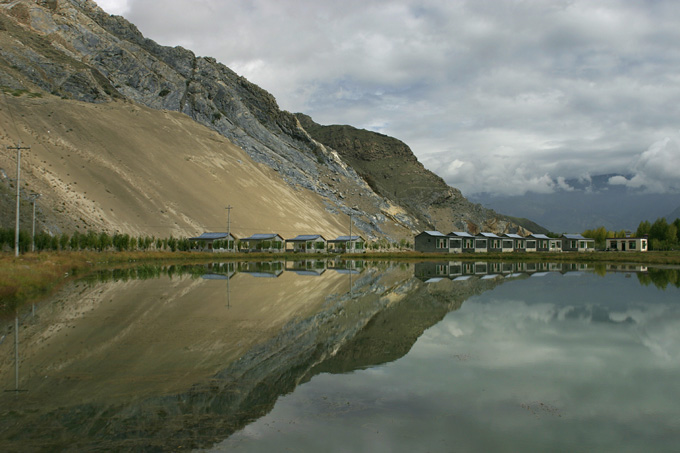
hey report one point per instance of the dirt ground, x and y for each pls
(123, 167)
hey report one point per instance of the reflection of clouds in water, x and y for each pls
(661, 334)
(553, 352)
(520, 368)
(527, 329)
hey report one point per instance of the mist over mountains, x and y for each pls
(587, 203)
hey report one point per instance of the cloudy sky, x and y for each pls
(494, 96)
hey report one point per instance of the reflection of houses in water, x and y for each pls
(219, 271)
(262, 269)
(347, 266)
(306, 267)
(626, 268)
(462, 270)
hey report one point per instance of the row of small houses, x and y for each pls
(427, 241)
(460, 242)
(273, 242)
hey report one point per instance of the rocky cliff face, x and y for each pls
(73, 49)
(392, 170)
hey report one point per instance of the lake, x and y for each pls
(344, 356)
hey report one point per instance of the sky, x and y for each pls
(502, 97)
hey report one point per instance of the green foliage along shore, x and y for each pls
(662, 235)
(91, 240)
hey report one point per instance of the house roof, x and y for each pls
(346, 238)
(210, 236)
(538, 236)
(460, 234)
(261, 237)
(306, 237)
(434, 233)
(489, 235)
(513, 236)
(574, 236)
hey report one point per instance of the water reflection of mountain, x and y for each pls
(375, 322)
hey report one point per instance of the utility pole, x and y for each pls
(349, 244)
(229, 208)
(229, 227)
(34, 197)
(18, 148)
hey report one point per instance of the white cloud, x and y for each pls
(116, 7)
(656, 170)
(522, 93)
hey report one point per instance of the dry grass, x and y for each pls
(34, 275)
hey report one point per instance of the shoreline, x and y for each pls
(33, 276)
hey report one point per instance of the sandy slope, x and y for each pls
(123, 167)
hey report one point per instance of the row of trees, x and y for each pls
(124, 242)
(89, 241)
(662, 235)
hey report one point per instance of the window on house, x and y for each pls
(480, 244)
(631, 245)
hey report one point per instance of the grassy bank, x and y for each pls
(35, 275)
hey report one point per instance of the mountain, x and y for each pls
(673, 215)
(127, 135)
(590, 204)
(391, 169)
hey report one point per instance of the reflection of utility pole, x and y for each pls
(34, 197)
(228, 289)
(16, 352)
(351, 295)
(18, 148)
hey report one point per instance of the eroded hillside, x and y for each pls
(127, 135)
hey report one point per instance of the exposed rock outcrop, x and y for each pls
(73, 49)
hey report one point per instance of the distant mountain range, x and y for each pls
(593, 202)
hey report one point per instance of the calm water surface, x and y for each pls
(325, 356)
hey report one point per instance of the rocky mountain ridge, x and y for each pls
(74, 50)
